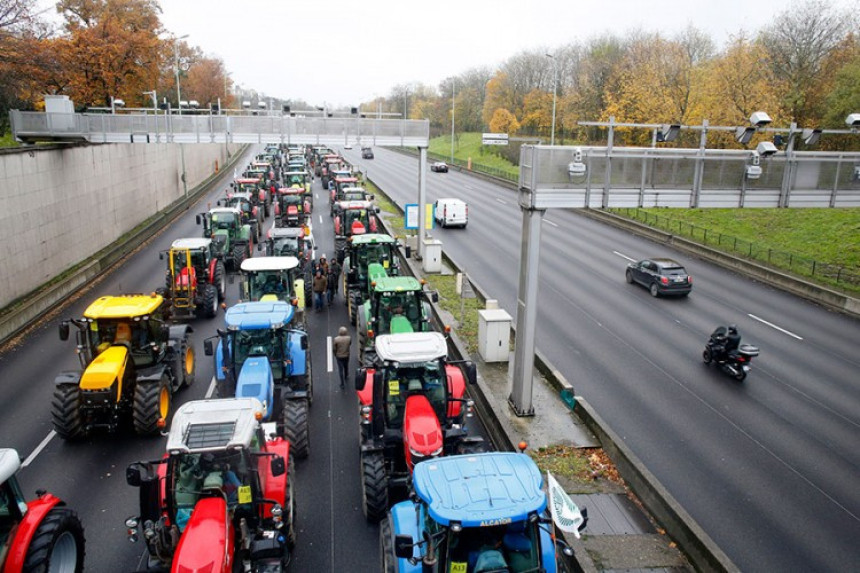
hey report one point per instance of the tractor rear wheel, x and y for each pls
(238, 256)
(66, 412)
(296, 427)
(374, 486)
(386, 547)
(186, 365)
(151, 404)
(58, 544)
(354, 305)
(290, 506)
(219, 279)
(210, 301)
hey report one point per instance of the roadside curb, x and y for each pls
(21, 313)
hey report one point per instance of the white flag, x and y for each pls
(564, 511)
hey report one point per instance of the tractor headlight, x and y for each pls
(278, 515)
(365, 414)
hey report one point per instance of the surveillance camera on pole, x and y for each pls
(766, 149)
(760, 119)
(577, 169)
(753, 169)
(853, 121)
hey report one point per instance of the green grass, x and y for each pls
(8, 141)
(468, 145)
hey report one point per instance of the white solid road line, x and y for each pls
(502, 201)
(211, 390)
(320, 219)
(548, 222)
(623, 256)
(775, 327)
(328, 355)
(38, 449)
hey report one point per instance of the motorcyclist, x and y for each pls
(733, 340)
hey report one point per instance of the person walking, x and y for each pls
(320, 286)
(340, 347)
(333, 275)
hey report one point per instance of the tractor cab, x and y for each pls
(483, 512)
(412, 408)
(222, 494)
(342, 180)
(353, 218)
(289, 242)
(272, 278)
(247, 205)
(231, 237)
(395, 305)
(365, 256)
(292, 207)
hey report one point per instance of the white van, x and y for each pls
(451, 213)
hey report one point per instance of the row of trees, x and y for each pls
(804, 67)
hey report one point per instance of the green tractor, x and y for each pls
(366, 258)
(232, 239)
(395, 305)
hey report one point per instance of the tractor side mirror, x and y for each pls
(278, 466)
(208, 348)
(161, 256)
(403, 546)
(165, 331)
(259, 247)
(199, 219)
(433, 296)
(371, 198)
(64, 330)
(376, 209)
(471, 373)
(139, 473)
(360, 378)
(304, 343)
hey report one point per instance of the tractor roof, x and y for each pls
(288, 173)
(411, 347)
(123, 306)
(212, 425)
(276, 232)
(258, 315)
(239, 195)
(233, 210)
(480, 490)
(247, 181)
(371, 239)
(397, 284)
(345, 178)
(355, 204)
(9, 463)
(194, 243)
(257, 264)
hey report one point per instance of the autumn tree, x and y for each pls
(206, 81)
(504, 121)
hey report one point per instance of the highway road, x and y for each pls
(333, 534)
(769, 467)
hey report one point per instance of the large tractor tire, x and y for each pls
(58, 544)
(354, 305)
(290, 506)
(185, 367)
(152, 402)
(66, 412)
(210, 301)
(374, 486)
(297, 427)
(219, 279)
(239, 255)
(386, 547)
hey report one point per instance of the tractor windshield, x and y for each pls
(513, 547)
(198, 259)
(223, 220)
(423, 378)
(258, 342)
(397, 312)
(297, 180)
(286, 247)
(378, 253)
(136, 335)
(272, 283)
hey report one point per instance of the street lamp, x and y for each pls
(176, 63)
(554, 91)
(453, 104)
(154, 99)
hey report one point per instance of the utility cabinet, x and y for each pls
(494, 335)
(432, 256)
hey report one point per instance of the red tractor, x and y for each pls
(292, 209)
(412, 408)
(196, 278)
(37, 535)
(353, 218)
(222, 498)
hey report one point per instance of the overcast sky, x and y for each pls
(342, 52)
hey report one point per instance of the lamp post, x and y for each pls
(554, 91)
(154, 99)
(176, 64)
(453, 105)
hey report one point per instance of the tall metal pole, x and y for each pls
(176, 64)
(554, 92)
(453, 105)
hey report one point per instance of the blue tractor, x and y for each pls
(474, 513)
(258, 356)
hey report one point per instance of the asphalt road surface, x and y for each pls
(769, 467)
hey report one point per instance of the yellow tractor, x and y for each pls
(132, 361)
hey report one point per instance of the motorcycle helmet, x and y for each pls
(733, 329)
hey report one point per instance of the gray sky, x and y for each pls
(342, 52)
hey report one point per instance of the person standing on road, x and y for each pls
(320, 285)
(333, 275)
(340, 347)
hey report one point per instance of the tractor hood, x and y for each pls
(105, 368)
(422, 435)
(207, 542)
(400, 324)
(255, 381)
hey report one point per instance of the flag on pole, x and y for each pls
(565, 513)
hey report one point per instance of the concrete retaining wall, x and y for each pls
(62, 205)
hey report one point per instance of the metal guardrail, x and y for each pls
(30, 127)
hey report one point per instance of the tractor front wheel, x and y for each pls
(66, 412)
(58, 544)
(354, 305)
(219, 279)
(386, 547)
(210, 301)
(151, 404)
(186, 366)
(296, 427)
(374, 486)
(238, 256)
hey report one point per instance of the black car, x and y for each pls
(366, 153)
(660, 276)
(439, 167)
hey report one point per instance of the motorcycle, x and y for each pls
(735, 363)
